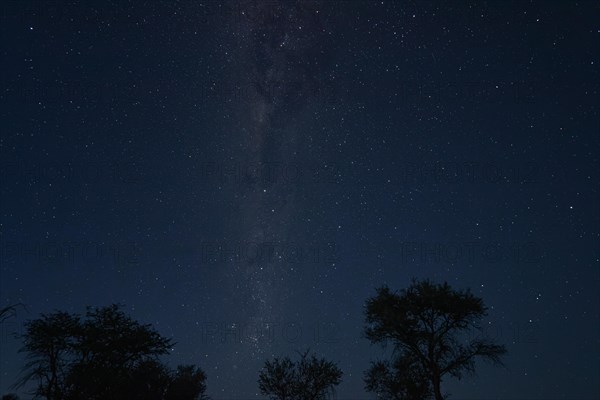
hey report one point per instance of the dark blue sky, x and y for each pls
(243, 175)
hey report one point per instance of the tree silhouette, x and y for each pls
(278, 379)
(427, 324)
(103, 355)
(111, 345)
(188, 382)
(49, 343)
(308, 379)
(148, 380)
(10, 396)
(404, 379)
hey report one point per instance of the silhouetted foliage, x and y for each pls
(10, 396)
(103, 355)
(148, 380)
(111, 346)
(404, 379)
(427, 324)
(49, 343)
(308, 379)
(188, 382)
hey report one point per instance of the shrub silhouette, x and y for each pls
(309, 378)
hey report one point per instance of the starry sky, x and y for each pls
(243, 175)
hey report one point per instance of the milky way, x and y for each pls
(283, 47)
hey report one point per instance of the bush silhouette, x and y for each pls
(309, 378)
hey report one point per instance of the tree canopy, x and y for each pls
(427, 325)
(104, 354)
(309, 378)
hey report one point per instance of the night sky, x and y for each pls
(243, 175)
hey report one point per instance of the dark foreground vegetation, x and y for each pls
(104, 354)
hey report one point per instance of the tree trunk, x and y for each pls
(436, 387)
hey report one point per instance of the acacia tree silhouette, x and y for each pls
(309, 378)
(427, 324)
(103, 355)
(49, 343)
(402, 379)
